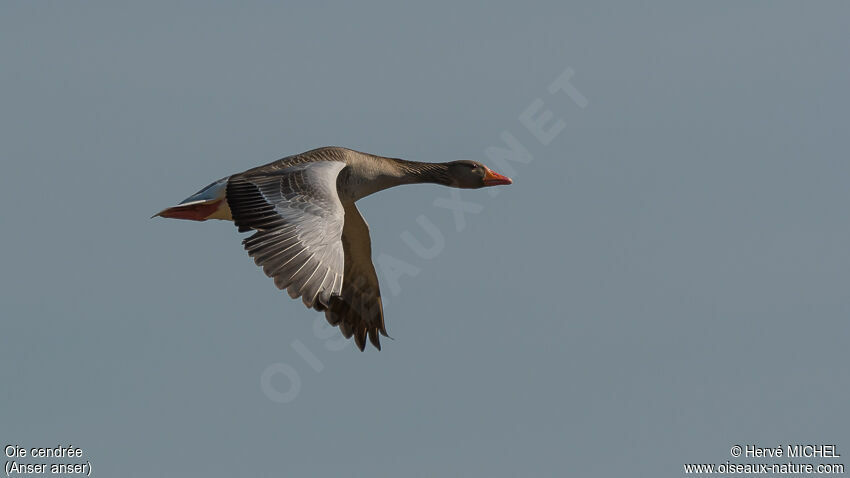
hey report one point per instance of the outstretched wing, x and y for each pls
(299, 222)
(358, 310)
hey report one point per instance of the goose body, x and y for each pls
(307, 232)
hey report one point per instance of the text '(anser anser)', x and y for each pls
(309, 236)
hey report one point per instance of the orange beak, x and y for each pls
(492, 178)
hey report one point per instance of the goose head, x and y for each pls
(468, 174)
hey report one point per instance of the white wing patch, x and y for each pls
(299, 221)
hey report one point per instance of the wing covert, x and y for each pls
(299, 221)
(358, 310)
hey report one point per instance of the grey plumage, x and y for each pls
(299, 219)
(308, 235)
(312, 242)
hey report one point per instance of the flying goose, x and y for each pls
(308, 234)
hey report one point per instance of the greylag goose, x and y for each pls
(308, 234)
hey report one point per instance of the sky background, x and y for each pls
(666, 278)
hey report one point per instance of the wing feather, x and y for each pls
(358, 310)
(313, 245)
(298, 219)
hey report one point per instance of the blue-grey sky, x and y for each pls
(667, 277)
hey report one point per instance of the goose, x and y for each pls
(308, 235)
